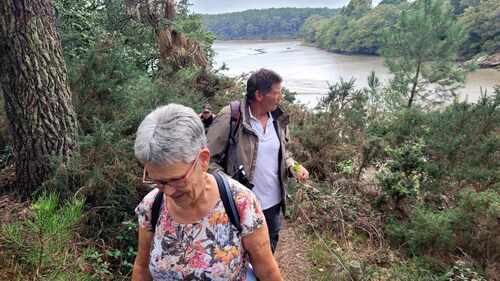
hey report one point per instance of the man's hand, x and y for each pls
(300, 173)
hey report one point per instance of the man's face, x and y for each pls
(272, 100)
(206, 114)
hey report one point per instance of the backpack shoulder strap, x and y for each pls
(225, 195)
(155, 210)
(235, 120)
(228, 200)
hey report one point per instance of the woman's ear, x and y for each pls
(204, 158)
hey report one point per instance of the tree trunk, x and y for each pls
(42, 122)
(414, 88)
(175, 48)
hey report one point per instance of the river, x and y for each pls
(308, 70)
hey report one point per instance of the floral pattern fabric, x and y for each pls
(209, 249)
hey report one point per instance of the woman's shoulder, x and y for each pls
(238, 189)
(148, 200)
(244, 198)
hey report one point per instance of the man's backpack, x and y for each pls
(225, 195)
(239, 174)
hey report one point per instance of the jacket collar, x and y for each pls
(278, 115)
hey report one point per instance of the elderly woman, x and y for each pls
(193, 238)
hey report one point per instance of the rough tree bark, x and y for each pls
(175, 48)
(42, 122)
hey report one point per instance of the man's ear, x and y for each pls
(258, 96)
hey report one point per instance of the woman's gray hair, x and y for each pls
(170, 134)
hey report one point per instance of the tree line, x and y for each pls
(358, 28)
(262, 24)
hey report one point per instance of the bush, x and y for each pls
(472, 225)
(477, 226)
(403, 175)
(426, 231)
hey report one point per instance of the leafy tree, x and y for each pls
(357, 29)
(364, 35)
(357, 8)
(79, 26)
(422, 48)
(482, 24)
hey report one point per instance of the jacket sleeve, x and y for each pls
(217, 137)
(289, 161)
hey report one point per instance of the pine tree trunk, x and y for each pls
(42, 122)
(414, 87)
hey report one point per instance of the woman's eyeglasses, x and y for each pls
(175, 183)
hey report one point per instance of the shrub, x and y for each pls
(477, 226)
(472, 225)
(426, 231)
(44, 245)
(404, 173)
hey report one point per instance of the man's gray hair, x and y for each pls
(170, 134)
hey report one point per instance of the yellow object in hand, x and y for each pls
(296, 167)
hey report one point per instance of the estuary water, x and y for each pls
(309, 70)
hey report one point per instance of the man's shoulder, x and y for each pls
(224, 114)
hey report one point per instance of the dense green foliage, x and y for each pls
(437, 182)
(360, 31)
(481, 21)
(272, 23)
(356, 29)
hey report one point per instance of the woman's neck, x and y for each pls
(199, 207)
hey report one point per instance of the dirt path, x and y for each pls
(292, 255)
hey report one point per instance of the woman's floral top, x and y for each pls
(210, 249)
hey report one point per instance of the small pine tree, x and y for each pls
(422, 48)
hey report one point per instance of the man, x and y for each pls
(259, 146)
(206, 116)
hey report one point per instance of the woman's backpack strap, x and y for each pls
(225, 195)
(155, 210)
(227, 200)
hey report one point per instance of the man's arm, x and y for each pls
(293, 167)
(217, 137)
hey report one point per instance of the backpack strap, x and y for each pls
(234, 123)
(225, 195)
(235, 120)
(155, 210)
(228, 200)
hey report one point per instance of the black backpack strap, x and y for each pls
(225, 195)
(155, 210)
(227, 200)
